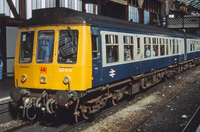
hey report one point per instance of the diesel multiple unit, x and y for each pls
(66, 57)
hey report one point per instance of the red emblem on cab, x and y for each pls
(43, 69)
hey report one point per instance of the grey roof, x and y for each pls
(55, 16)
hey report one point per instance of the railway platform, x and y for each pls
(5, 85)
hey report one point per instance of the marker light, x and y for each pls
(23, 78)
(66, 80)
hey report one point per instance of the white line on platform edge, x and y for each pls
(4, 99)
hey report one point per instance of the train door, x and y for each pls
(96, 61)
(139, 52)
(185, 48)
(182, 53)
(139, 55)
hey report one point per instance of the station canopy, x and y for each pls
(192, 3)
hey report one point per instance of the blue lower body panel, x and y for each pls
(122, 71)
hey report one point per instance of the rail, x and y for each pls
(159, 108)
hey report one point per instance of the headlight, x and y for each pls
(66, 80)
(23, 78)
(43, 79)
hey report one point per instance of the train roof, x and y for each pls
(55, 16)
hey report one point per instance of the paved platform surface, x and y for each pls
(5, 86)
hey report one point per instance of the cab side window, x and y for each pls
(94, 46)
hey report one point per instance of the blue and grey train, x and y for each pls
(66, 57)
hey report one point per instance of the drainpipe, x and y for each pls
(141, 11)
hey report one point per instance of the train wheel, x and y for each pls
(113, 102)
(84, 116)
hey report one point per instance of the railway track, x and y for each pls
(4, 106)
(7, 114)
(74, 127)
(194, 122)
(135, 127)
(4, 110)
(111, 109)
(68, 127)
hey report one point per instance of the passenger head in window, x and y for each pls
(147, 52)
(111, 54)
(127, 53)
(154, 52)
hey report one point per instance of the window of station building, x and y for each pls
(94, 46)
(167, 47)
(162, 46)
(147, 47)
(112, 48)
(155, 47)
(128, 48)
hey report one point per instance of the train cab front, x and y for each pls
(52, 66)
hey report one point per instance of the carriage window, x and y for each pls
(147, 47)
(162, 47)
(180, 47)
(112, 51)
(167, 47)
(26, 47)
(193, 46)
(173, 46)
(177, 46)
(45, 46)
(155, 47)
(111, 39)
(128, 48)
(138, 45)
(198, 46)
(94, 46)
(68, 46)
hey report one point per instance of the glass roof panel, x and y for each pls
(193, 3)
